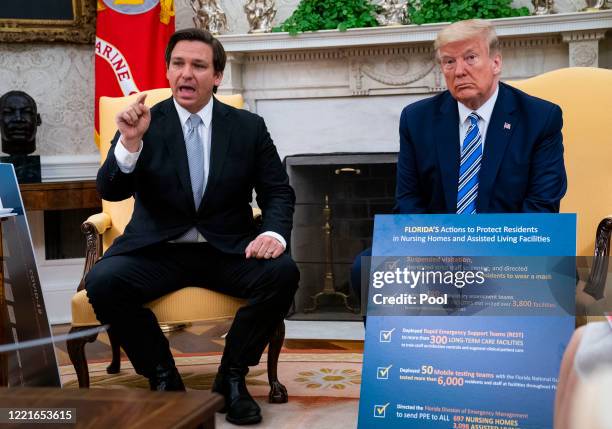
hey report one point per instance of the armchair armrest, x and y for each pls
(597, 278)
(101, 221)
(93, 228)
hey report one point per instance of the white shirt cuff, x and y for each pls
(277, 236)
(126, 160)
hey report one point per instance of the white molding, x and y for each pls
(64, 168)
(57, 304)
(59, 278)
(308, 56)
(505, 27)
(324, 330)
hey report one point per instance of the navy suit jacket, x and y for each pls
(242, 158)
(522, 166)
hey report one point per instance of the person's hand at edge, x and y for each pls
(264, 247)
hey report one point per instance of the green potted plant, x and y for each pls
(312, 15)
(429, 11)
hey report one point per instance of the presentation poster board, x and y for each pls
(28, 366)
(468, 319)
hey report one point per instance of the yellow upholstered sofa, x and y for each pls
(190, 304)
(585, 96)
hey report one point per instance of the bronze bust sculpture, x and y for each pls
(19, 120)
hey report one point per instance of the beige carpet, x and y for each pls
(323, 386)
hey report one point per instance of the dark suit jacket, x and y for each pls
(242, 158)
(522, 167)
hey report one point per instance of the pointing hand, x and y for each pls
(133, 122)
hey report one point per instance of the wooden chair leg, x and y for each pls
(278, 392)
(76, 352)
(115, 365)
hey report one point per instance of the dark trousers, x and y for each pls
(360, 274)
(119, 286)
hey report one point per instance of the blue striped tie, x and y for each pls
(471, 155)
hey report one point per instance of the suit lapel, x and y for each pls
(446, 138)
(500, 130)
(175, 142)
(219, 144)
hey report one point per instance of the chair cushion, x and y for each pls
(586, 100)
(190, 304)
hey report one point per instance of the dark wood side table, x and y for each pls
(120, 408)
(60, 195)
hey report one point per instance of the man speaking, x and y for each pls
(481, 146)
(191, 164)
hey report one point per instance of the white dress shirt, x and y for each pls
(485, 111)
(126, 161)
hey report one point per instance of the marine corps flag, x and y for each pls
(131, 36)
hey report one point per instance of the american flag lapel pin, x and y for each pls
(507, 126)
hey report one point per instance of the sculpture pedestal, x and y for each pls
(27, 167)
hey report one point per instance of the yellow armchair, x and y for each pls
(190, 304)
(585, 95)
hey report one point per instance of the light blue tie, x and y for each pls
(471, 156)
(195, 156)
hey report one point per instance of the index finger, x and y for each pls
(249, 250)
(141, 98)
